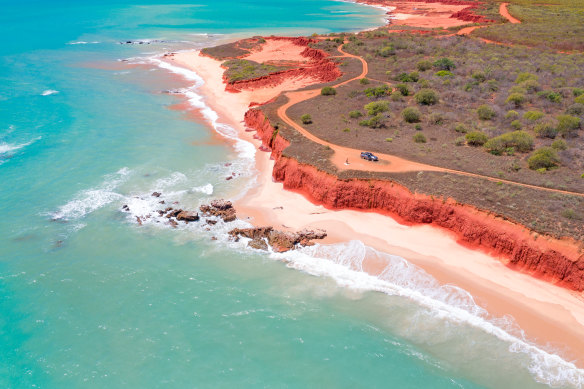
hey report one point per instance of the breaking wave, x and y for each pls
(346, 264)
(49, 92)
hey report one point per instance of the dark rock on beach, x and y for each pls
(220, 208)
(280, 241)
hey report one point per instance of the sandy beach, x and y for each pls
(547, 313)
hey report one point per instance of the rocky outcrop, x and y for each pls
(555, 260)
(220, 208)
(280, 241)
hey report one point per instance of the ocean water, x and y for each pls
(90, 298)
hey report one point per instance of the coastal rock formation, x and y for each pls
(220, 208)
(280, 241)
(555, 260)
(187, 216)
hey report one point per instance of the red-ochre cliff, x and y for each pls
(558, 261)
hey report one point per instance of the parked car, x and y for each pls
(369, 156)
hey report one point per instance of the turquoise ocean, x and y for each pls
(89, 298)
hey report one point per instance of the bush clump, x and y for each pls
(328, 91)
(486, 112)
(403, 89)
(522, 77)
(559, 144)
(579, 99)
(516, 125)
(511, 115)
(364, 81)
(405, 77)
(306, 118)
(533, 116)
(459, 127)
(377, 91)
(568, 125)
(376, 107)
(419, 137)
(376, 121)
(575, 109)
(444, 73)
(552, 96)
(516, 98)
(426, 97)
(444, 64)
(547, 129)
(543, 158)
(519, 140)
(411, 115)
(355, 114)
(424, 65)
(476, 138)
(386, 51)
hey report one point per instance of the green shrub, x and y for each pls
(575, 109)
(378, 91)
(559, 144)
(444, 64)
(306, 118)
(419, 137)
(405, 77)
(530, 86)
(543, 158)
(403, 89)
(376, 121)
(476, 138)
(424, 65)
(444, 73)
(389, 139)
(414, 76)
(386, 51)
(459, 127)
(396, 97)
(516, 125)
(426, 97)
(493, 85)
(547, 129)
(511, 115)
(567, 124)
(520, 140)
(579, 99)
(436, 118)
(552, 96)
(376, 107)
(459, 141)
(328, 91)
(485, 112)
(532, 116)
(479, 77)
(347, 130)
(577, 92)
(418, 127)
(516, 98)
(521, 77)
(411, 115)
(364, 81)
(355, 114)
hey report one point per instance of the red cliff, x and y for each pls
(558, 261)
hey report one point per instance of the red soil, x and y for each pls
(317, 67)
(558, 261)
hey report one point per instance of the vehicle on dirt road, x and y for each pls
(369, 156)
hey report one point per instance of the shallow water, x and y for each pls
(89, 298)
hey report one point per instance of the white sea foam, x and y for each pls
(343, 262)
(10, 148)
(205, 189)
(88, 201)
(245, 149)
(49, 92)
(83, 43)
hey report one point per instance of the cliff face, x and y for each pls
(551, 259)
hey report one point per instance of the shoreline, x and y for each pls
(549, 314)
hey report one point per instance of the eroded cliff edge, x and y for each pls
(556, 259)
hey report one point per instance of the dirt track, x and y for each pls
(387, 163)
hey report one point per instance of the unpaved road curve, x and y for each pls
(387, 163)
